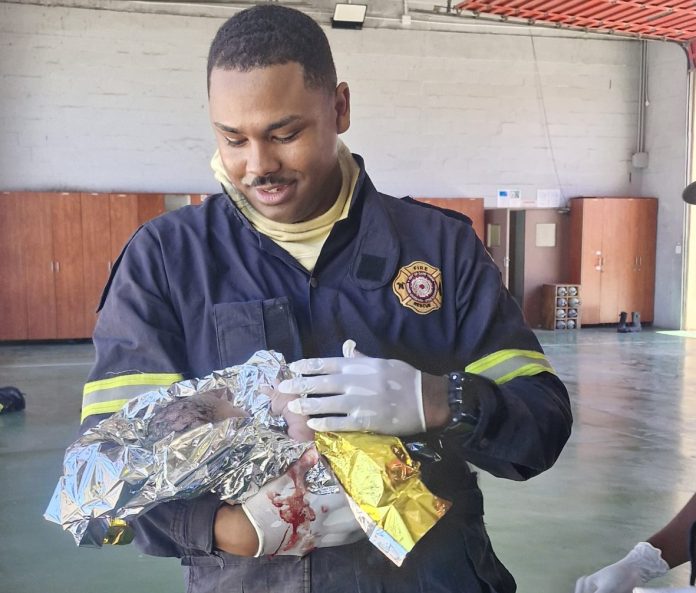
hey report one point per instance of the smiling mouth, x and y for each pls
(272, 194)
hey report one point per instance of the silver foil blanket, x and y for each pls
(215, 434)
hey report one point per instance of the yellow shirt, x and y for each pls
(302, 240)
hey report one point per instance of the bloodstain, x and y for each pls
(294, 509)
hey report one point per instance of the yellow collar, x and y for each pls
(303, 240)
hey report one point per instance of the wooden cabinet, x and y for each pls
(41, 266)
(56, 250)
(612, 255)
(471, 207)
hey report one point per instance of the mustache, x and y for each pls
(266, 180)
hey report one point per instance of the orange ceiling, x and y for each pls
(654, 19)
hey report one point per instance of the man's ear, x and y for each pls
(342, 106)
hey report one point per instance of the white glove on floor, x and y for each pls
(289, 520)
(641, 564)
(668, 590)
(375, 394)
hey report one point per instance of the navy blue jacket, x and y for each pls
(200, 289)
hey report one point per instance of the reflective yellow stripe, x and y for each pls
(103, 408)
(107, 396)
(136, 379)
(527, 370)
(504, 365)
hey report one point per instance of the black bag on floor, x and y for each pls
(11, 400)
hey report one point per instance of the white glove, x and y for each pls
(641, 564)
(375, 394)
(291, 521)
(667, 590)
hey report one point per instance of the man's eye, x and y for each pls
(233, 142)
(286, 138)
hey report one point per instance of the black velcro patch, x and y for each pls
(371, 267)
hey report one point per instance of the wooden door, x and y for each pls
(96, 247)
(646, 244)
(127, 213)
(198, 199)
(585, 257)
(615, 259)
(39, 265)
(13, 306)
(629, 288)
(497, 241)
(149, 207)
(471, 207)
(66, 222)
(124, 221)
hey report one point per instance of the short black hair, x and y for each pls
(268, 35)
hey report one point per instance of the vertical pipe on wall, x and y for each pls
(642, 96)
(688, 309)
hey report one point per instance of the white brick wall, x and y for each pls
(101, 100)
(665, 176)
(463, 114)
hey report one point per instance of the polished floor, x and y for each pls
(629, 466)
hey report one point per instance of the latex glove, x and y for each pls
(641, 564)
(289, 520)
(666, 590)
(365, 394)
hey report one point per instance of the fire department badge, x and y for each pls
(418, 286)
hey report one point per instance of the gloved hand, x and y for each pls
(665, 590)
(641, 564)
(375, 394)
(289, 520)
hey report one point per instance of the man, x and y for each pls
(648, 560)
(672, 546)
(300, 254)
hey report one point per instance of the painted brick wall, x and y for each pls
(102, 100)
(665, 177)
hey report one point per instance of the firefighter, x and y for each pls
(299, 254)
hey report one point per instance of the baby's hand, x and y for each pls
(297, 424)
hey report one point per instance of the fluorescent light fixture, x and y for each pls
(349, 16)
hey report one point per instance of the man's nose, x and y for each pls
(261, 160)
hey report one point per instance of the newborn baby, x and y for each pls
(187, 413)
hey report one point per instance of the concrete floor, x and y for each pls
(629, 466)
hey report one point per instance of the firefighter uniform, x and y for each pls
(200, 289)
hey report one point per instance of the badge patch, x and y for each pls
(419, 287)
